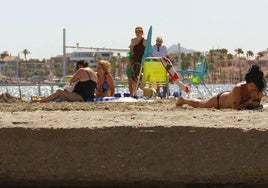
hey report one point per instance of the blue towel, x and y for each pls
(121, 99)
(106, 99)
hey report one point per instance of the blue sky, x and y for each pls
(197, 24)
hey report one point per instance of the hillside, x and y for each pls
(174, 49)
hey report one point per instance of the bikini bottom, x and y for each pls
(218, 99)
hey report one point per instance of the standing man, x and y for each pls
(159, 50)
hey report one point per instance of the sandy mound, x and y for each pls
(130, 144)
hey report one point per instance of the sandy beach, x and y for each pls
(135, 114)
(82, 144)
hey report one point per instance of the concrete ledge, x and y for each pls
(127, 156)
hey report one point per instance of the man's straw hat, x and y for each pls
(159, 39)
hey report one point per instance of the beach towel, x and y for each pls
(121, 99)
(261, 106)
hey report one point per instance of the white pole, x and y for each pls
(64, 58)
(179, 56)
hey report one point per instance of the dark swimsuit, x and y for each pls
(86, 89)
(138, 51)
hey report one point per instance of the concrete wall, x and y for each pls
(136, 157)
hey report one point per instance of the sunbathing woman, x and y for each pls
(84, 89)
(242, 96)
(105, 86)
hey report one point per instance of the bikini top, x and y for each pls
(138, 51)
(105, 86)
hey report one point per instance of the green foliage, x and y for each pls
(27, 74)
(266, 76)
(239, 51)
(25, 53)
(57, 72)
(185, 65)
(34, 60)
(259, 55)
(41, 73)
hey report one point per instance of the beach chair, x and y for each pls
(196, 77)
(154, 75)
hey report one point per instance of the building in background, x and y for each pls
(91, 56)
(9, 65)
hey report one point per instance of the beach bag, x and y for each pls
(70, 86)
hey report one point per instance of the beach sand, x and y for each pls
(131, 144)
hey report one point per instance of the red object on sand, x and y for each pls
(173, 74)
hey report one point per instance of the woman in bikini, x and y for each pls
(105, 86)
(84, 89)
(244, 95)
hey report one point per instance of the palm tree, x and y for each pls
(25, 52)
(185, 61)
(113, 62)
(212, 66)
(195, 57)
(224, 52)
(259, 55)
(230, 57)
(221, 56)
(249, 54)
(238, 52)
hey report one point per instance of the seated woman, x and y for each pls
(105, 85)
(84, 89)
(244, 95)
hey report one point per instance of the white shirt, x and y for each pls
(160, 51)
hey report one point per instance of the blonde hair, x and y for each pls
(138, 28)
(106, 65)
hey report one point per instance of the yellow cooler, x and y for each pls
(68, 78)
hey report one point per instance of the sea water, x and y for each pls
(198, 91)
(25, 92)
